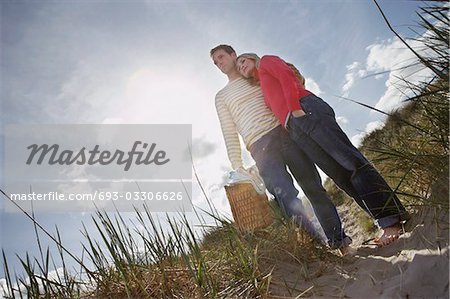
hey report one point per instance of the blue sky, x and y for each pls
(148, 62)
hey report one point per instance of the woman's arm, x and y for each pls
(280, 70)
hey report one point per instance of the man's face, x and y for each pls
(224, 61)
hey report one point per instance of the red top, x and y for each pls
(281, 88)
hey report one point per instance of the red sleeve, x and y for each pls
(278, 68)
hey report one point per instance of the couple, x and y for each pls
(282, 123)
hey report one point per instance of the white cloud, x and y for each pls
(385, 55)
(362, 73)
(312, 86)
(3, 288)
(342, 120)
(379, 76)
(394, 57)
(370, 127)
(349, 81)
(353, 66)
(20, 288)
(374, 125)
(354, 72)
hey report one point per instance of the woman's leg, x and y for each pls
(319, 130)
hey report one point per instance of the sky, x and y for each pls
(147, 62)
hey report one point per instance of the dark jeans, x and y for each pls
(308, 178)
(320, 137)
(269, 153)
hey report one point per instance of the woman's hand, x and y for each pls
(298, 113)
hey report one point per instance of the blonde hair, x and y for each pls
(297, 73)
(256, 58)
(251, 56)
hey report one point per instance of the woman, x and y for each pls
(311, 124)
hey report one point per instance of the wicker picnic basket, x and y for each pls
(250, 209)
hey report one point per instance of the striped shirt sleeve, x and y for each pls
(229, 132)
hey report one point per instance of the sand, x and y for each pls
(415, 266)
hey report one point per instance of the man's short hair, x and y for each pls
(226, 48)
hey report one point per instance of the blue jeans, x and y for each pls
(308, 178)
(267, 153)
(320, 137)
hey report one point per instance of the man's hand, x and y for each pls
(298, 113)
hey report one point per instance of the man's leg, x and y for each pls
(308, 178)
(268, 157)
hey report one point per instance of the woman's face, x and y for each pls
(246, 66)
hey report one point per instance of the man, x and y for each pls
(241, 110)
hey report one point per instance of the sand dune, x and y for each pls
(415, 266)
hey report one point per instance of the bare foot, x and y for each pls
(347, 251)
(390, 234)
